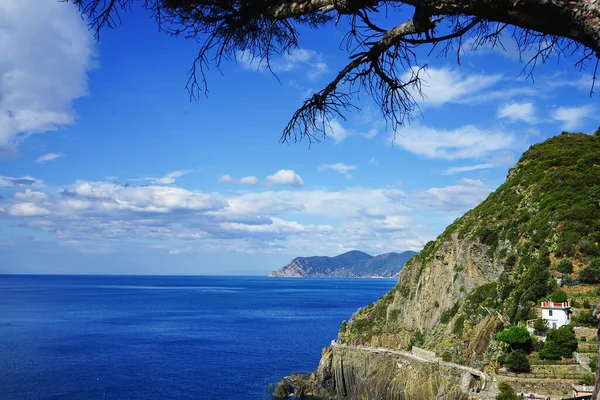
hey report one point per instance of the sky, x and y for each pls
(107, 167)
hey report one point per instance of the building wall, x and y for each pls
(558, 318)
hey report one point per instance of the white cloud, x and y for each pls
(572, 117)
(245, 180)
(31, 196)
(285, 177)
(257, 221)
(249, 180)
(467, 168)
(308, 60)
(518, 112)
(226, 179)
(7, 181)
(168, 179)
(337, 132)
(48, 157)
(342, 168)
(462, 197)
(46, 52)
(444, 85)
(27, 210)
(460, 143)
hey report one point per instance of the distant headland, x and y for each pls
(353, 264)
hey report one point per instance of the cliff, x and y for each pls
(353, 264)
(486, 270)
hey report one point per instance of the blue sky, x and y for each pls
(107, 167)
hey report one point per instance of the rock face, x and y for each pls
(353, 264)
(485, 271)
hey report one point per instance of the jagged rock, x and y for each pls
(283, 389)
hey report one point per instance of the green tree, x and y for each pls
(517, 337)
(558, 296)
(506, 392)
(565, 266)
(383, 62)
(589, 275)
(540, 325)
(560, 343)
(517, 361)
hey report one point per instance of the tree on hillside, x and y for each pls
(382, 60)
(560, 343)
(517, 338)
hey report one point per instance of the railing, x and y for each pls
(556, 304)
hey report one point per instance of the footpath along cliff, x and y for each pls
(485, 271)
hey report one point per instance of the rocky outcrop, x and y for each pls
(354, 374)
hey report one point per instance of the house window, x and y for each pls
(554, 325)
(550, 312)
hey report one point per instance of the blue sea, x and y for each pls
(167, 338)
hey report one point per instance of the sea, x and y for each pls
(167, 337)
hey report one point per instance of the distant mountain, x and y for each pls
(353, 264)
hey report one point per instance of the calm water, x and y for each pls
(76, 337)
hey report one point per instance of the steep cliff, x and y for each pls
(352, 264)
(484, 271)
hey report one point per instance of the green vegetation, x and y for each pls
(448, 314)
(560, 343)
(558, 296)
(540, 325)
(516, 337)
(565, 266)
(591, 273)
(517, 361)
(506, 392)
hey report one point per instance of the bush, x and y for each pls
(589, 275)
(586, 246)
(592, 365)
(574, 303)
(584, 318)
(517, 361)
(586, 304)
(560, 343)
(517, 337)
(558, 296)
(565, 266)
(506, 392)
(540, 325)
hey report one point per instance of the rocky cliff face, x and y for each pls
(486, 270)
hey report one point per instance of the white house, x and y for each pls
(557, 313)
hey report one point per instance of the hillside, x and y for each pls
(353, 264)
(487, 270)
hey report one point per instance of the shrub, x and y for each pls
(417, 339)
(592, 365)
(343, 326)
(586, 304)
(565, 266)
(436, 304)
(574, 303)
(448, 314)
(589, 275)
(459, 324)
(560, 342)
(446, 357)
(558, 296)
(584, 318)
(583, 339)
(586, 246)
(517, 361)
(506, 392)
(511, 260)
(540, 325)
(517, 337)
